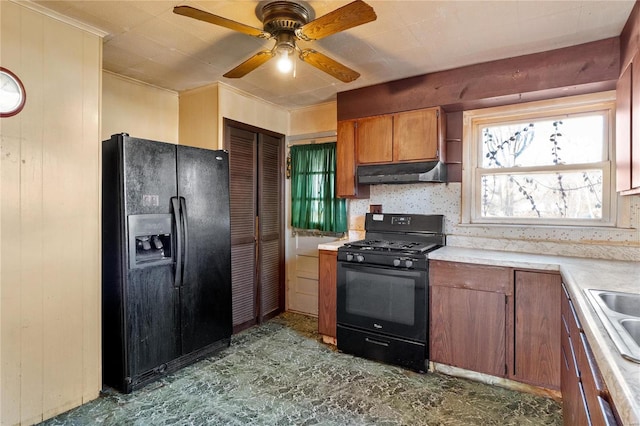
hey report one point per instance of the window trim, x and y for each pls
(473, 120)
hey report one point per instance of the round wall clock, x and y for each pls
(12, 93)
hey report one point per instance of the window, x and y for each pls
(546, 163)
(313, 191)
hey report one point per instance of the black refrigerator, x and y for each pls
(166, 258)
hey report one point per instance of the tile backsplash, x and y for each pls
(605, 243)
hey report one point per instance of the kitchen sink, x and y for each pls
(623, 303)
(620, 315)
(633, 328)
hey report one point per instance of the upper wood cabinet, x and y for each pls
(418, 135)
(346, 182)
(404, 136)
(375, 139)
(628, 130)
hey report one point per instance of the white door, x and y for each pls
(302, 256)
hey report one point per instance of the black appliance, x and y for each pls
(383, 289)
(166, 258)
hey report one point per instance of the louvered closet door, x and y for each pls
(243, 191)
(270, 223)
(255, 176)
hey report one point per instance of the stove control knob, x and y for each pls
(396, 262)
(408, 263)
(360, 258)
(349, 257)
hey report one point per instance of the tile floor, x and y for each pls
(279, 373)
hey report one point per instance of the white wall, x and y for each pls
(139, 109)
(50, 218)
(248, 109)
(199, 117)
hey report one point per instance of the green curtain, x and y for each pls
(313, 189)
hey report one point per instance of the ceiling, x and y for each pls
(146, 41)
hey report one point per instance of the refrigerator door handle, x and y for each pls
(177, 280)
(185, 235)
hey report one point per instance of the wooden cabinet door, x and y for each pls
(375, 139)
(634, 167)
(623, 131)
(327, 277)
(416, 135)
(537, 328)
(345, 159)
(467, 329)
(346, 182)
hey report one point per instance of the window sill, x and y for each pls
(542, 227)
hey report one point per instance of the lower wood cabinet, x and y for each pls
(585, 399)
(537, 328)
(468, 313)
(496, 320)
(327, 276)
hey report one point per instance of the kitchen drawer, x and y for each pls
(471, 276)
(605, 414)
(595, 390)
(565, 310)
(382, 348)
(574, 325)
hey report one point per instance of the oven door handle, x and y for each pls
(376, 342)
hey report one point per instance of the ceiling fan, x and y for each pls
(287, 22)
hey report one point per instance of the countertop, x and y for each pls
(333, 245)
(621, 376)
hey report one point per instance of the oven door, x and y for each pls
(383, 300)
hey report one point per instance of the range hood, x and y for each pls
(426, 171)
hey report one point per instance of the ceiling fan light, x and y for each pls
(284, 63)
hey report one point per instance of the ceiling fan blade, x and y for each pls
(348, 16)
(201, 15)
(250, 64)
(328, 65)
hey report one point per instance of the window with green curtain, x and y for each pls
(313, 189)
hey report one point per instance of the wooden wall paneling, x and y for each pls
(630, 37)
(32, 228)
(61, 181)
(11, 241)
(585, 68)
(91, 223)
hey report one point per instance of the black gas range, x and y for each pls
(383, 289)
(396, 240)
